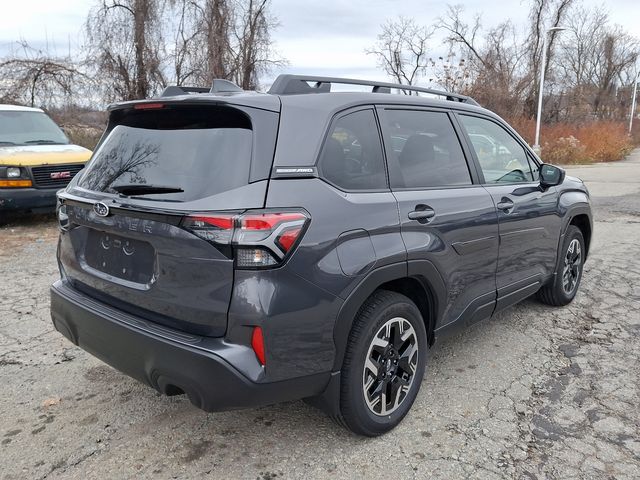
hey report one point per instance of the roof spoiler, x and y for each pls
(219, 85)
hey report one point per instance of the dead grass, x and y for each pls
(568, 143)
(83, 135)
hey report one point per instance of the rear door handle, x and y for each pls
(505, 205)
(422, 214)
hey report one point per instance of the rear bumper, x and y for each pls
(213, 373)
(12, 199)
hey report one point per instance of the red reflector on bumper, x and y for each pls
(257, 343)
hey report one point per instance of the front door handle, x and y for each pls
(505, 205)
(422, 214)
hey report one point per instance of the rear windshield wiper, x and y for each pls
(140, 189)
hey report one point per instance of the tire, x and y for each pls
(392, 319)
(6, 218)
(566, 281)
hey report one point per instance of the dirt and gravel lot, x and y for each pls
(534, 393)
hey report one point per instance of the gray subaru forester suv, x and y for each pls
(246, 249)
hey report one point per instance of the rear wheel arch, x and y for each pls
(420, 293)
(422, 286)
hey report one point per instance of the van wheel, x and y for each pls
(568, 274)
(384, 364)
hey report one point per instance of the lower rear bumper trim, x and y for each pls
(169, 361)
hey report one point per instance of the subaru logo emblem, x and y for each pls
(101, 209)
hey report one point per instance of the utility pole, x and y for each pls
(633, 101)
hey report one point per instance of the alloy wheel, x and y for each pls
(390, 366)
(572, 266)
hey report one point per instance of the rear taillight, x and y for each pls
(260, 239)
(213, 228)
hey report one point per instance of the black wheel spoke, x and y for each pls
(396, 337)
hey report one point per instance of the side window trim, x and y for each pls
(391, 161)
(336, 118)
(472, 151)
(474, 168)
(533, 163)
(382, 146)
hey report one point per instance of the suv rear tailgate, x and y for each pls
(148, 266)
(131, 252)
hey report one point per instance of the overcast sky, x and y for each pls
(322, 36)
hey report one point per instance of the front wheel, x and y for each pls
(384, 364)
(568, 273)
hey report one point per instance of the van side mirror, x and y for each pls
(550, 175)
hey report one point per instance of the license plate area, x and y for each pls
(120, 257)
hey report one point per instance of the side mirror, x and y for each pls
(550, 175)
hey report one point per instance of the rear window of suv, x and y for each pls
(202, 151)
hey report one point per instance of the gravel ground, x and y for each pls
(534, 393)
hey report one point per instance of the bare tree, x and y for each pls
(596, 59)
(401, 50)
(37, 78)
(543, 15)
(505, 66)
(253, 46)
(217, 20)
(460, 33)
(125, 47)
(184, 34)
(134, 48)
(223, 39)
(494, 61)
(451, 72)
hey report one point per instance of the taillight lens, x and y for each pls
(287, 239)
(213, 228)
(266, 228)
(260, 239)
(254, 258)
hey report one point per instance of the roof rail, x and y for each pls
(297, 84)
(219, 85)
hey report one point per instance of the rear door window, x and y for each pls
(425, 148)
(201, 151)
(351, 157)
